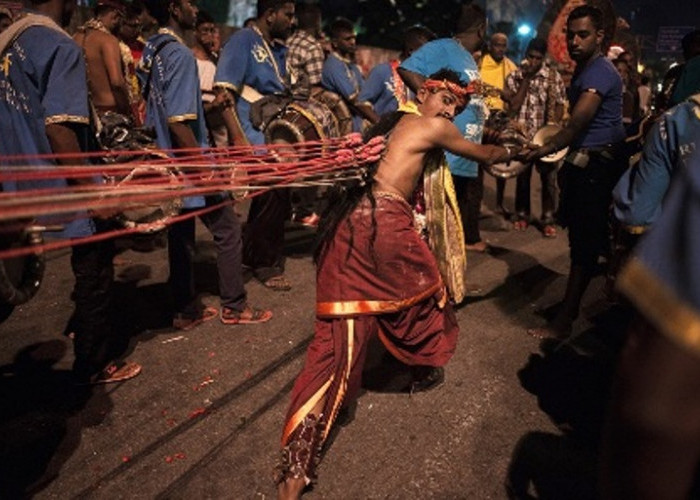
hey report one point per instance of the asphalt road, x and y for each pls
(204, 418)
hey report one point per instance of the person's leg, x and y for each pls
(548, 178)
(500, 195)
(181, 249)
(522, 198)
(474, 194)
(92, 293)
(330, 377)
(96, 347)
(263, 237)
(225, 228)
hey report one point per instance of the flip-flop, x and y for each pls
(247, 316)
(277, 283)
(116, 371)
(188, 323)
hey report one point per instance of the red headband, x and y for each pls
(461, 93)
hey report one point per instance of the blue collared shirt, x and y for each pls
(640, 191)
(447, 53)
(247, 59)
(175, 94)
(43, 81)
(380, 89)
(345, 79)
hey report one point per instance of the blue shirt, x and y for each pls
(447, 53)
(380, 89)
(606, 126)
(663, 280)
(345, 79)
(246, 59)
(43, 81)
(175, 95)
(670, 143)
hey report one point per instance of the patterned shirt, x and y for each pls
(305, 61)
(533, 112)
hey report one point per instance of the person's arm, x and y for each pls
(182, 136)
(640, 191)
(582, 114)
(365, 110)
(112, 57)
(236, 136)
(443, 134)
(413, 80)
(515, 99)
(64, 141)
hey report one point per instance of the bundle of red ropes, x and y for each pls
(99, 183)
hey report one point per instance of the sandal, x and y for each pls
(247, 316)
(277, 283)
(187, 322)
(549, 231)
(520, 225)
(116, 371)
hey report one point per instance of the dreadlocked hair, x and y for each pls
(343, 199)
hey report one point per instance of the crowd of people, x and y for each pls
(433, 120)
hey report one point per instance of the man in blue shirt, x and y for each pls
(170, 80)
(384, 89)
(652, 441)
(591, 168)
(44, 111)
(342, 76)
(252, 65)
(455, 54)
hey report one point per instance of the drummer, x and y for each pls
(252, 65)
(535, 95)
(342, 76)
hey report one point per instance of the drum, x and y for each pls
(339, 109)
(148, 218)
(302, 121)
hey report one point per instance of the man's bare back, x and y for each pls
(108, 90)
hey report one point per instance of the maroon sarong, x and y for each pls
(391, 288)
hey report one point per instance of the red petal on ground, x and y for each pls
(197, 412)
(168, 459)
(126, 458)
(180, 456)
(212, 354)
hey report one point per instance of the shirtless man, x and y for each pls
(106, 81)
(365, 237)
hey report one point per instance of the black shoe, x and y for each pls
(426, 378)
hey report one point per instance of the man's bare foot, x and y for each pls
(290, 489)
(479, 246)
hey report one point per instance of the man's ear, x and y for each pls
(421, 95)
